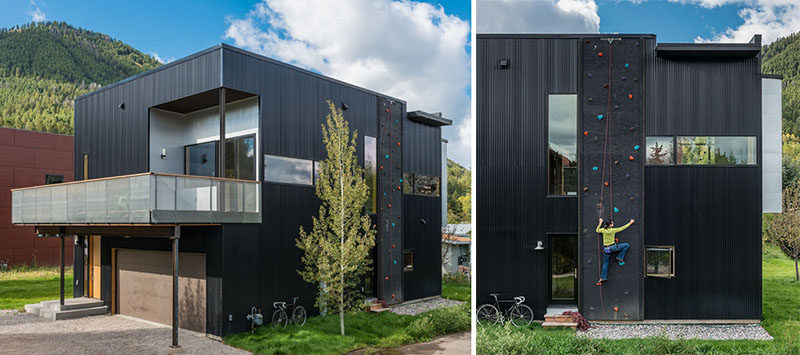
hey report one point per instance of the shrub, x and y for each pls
(503, 340)
(440, 321)
(456, 278)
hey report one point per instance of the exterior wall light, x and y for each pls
(539, 245)
(163, 153)
(504, 63)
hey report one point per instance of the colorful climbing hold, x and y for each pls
(401, 180)
(623, 78)
(600, 54)
(590, 99)
(616, 309)
(387, 156)
(392, 224)
(636, 147)
(630, 157)
(616, 210)
(381, 167)
(585, 189)
(398, 188)
(605, 85)
(599, 117)
(394, 262)
(589, 75)
(387, 110)
(616, 107)
(594, 168)
(390, 205)
(387, 277)
(585, 133)
(393, 246)
(605, 183)
(630, 96)
(627, 65)
(616, 162)
(384, 194)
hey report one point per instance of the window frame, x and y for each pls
(671, 256)
(405, 269)
(313, 174)
(577, 144)
(709, 165)
(255, 154)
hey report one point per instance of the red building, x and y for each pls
(29, 159)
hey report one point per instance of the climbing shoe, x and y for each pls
(600, 282)
(621, 262)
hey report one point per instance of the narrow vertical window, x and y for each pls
(371, 172)
(562, 144)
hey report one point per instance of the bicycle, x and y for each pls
(519, 314)
(280, 318)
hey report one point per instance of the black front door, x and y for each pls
(563, 268)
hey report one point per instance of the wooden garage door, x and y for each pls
(144, 290)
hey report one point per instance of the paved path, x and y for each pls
(458, 344)
(25, 333)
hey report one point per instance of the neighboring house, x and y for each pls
(687, 136)
(456, 241)
(27, 159)
(158, 180)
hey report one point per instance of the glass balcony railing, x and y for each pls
(146, 198)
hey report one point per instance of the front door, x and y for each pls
(563, 268)
(94, 266)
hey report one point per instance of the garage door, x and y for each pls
(144, 290)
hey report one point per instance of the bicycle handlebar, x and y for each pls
(519, 299)
(279, 304)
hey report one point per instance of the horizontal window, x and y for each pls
(718, 150)
(418, 184)
(53, 179)
(288, 170)
(660, 261)
(660, 151)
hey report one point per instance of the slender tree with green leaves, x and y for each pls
(336, 250)
(784, 227)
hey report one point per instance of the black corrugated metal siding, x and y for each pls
(422, 233)
(712, 214)
(513, 212)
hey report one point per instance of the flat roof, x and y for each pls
(429, 118)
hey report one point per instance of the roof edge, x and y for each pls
(501, 35)
(428, 118)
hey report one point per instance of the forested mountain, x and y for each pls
(44, 66)
(783, 57)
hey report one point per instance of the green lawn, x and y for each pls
(21, 286)
(781, 311)
(457, 289)
(320, 335)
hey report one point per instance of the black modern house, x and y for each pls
(177, 225)
(683, 138)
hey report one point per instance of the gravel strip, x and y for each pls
(8, 312)
(412, 309)
(26, 333)
(676, 331)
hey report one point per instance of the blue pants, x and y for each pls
(622, 248)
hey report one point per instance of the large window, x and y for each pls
(660, 261)
(719, 150)
(288, 170)
(201, 159)
(418, 184)
(562, 144)
(240, 158)
(660, 151)
(371, 172)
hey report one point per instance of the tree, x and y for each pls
(336, 249)
(459, 183)
(784, 228)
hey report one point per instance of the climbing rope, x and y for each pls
(610, 181)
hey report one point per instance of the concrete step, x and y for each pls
(557, 318)
(52, 314)
(34, 309)
(73, 303)
(559, 325)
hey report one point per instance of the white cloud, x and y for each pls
(407, 49)
(770, 18)
(37, 15)
(536, 16)
(161, 60)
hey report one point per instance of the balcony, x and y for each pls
(147, 198)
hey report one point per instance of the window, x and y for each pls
(53, 179)
(660, 151)
(426, 185)
(317, 167)
(408, 183)
(85, 166)
(371, 172)
(660, 261)
(201, 159)
(408, 260)
(288, 170)
(720, 150)
(240, 157)
(562, 144)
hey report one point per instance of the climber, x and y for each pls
(611, 246)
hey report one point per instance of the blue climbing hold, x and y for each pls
(636, 147)
(616, 210)
(387, 156)
(392, 224)
(627, 65)
(599, 117)
(401, 180)
(394, 262)
(594, 168)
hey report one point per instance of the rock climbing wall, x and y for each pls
(390, 197)
(611, 177)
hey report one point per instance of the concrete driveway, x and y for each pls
(457, 344)
(25, 333)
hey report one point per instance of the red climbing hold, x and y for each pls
(393, 295)
(600, 54)
(630, 157)
(381, 167)
(398, 187)
(616, 309)
(387, 110)
(393, 245)
(398, 144)
(605, 183)
(387, 277)
(630, 96)
(390, 205)
(585, 133)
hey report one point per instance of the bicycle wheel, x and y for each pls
(299, 316)
(521, 315)
(279, 319)
(488, 315)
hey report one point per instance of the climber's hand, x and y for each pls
(632, 221)
(601, 219)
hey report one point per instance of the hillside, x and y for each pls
(783, 57)
(459, 184)
(44, 66)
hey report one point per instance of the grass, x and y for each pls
(320, 335)
(25, 284)
(781, 309)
